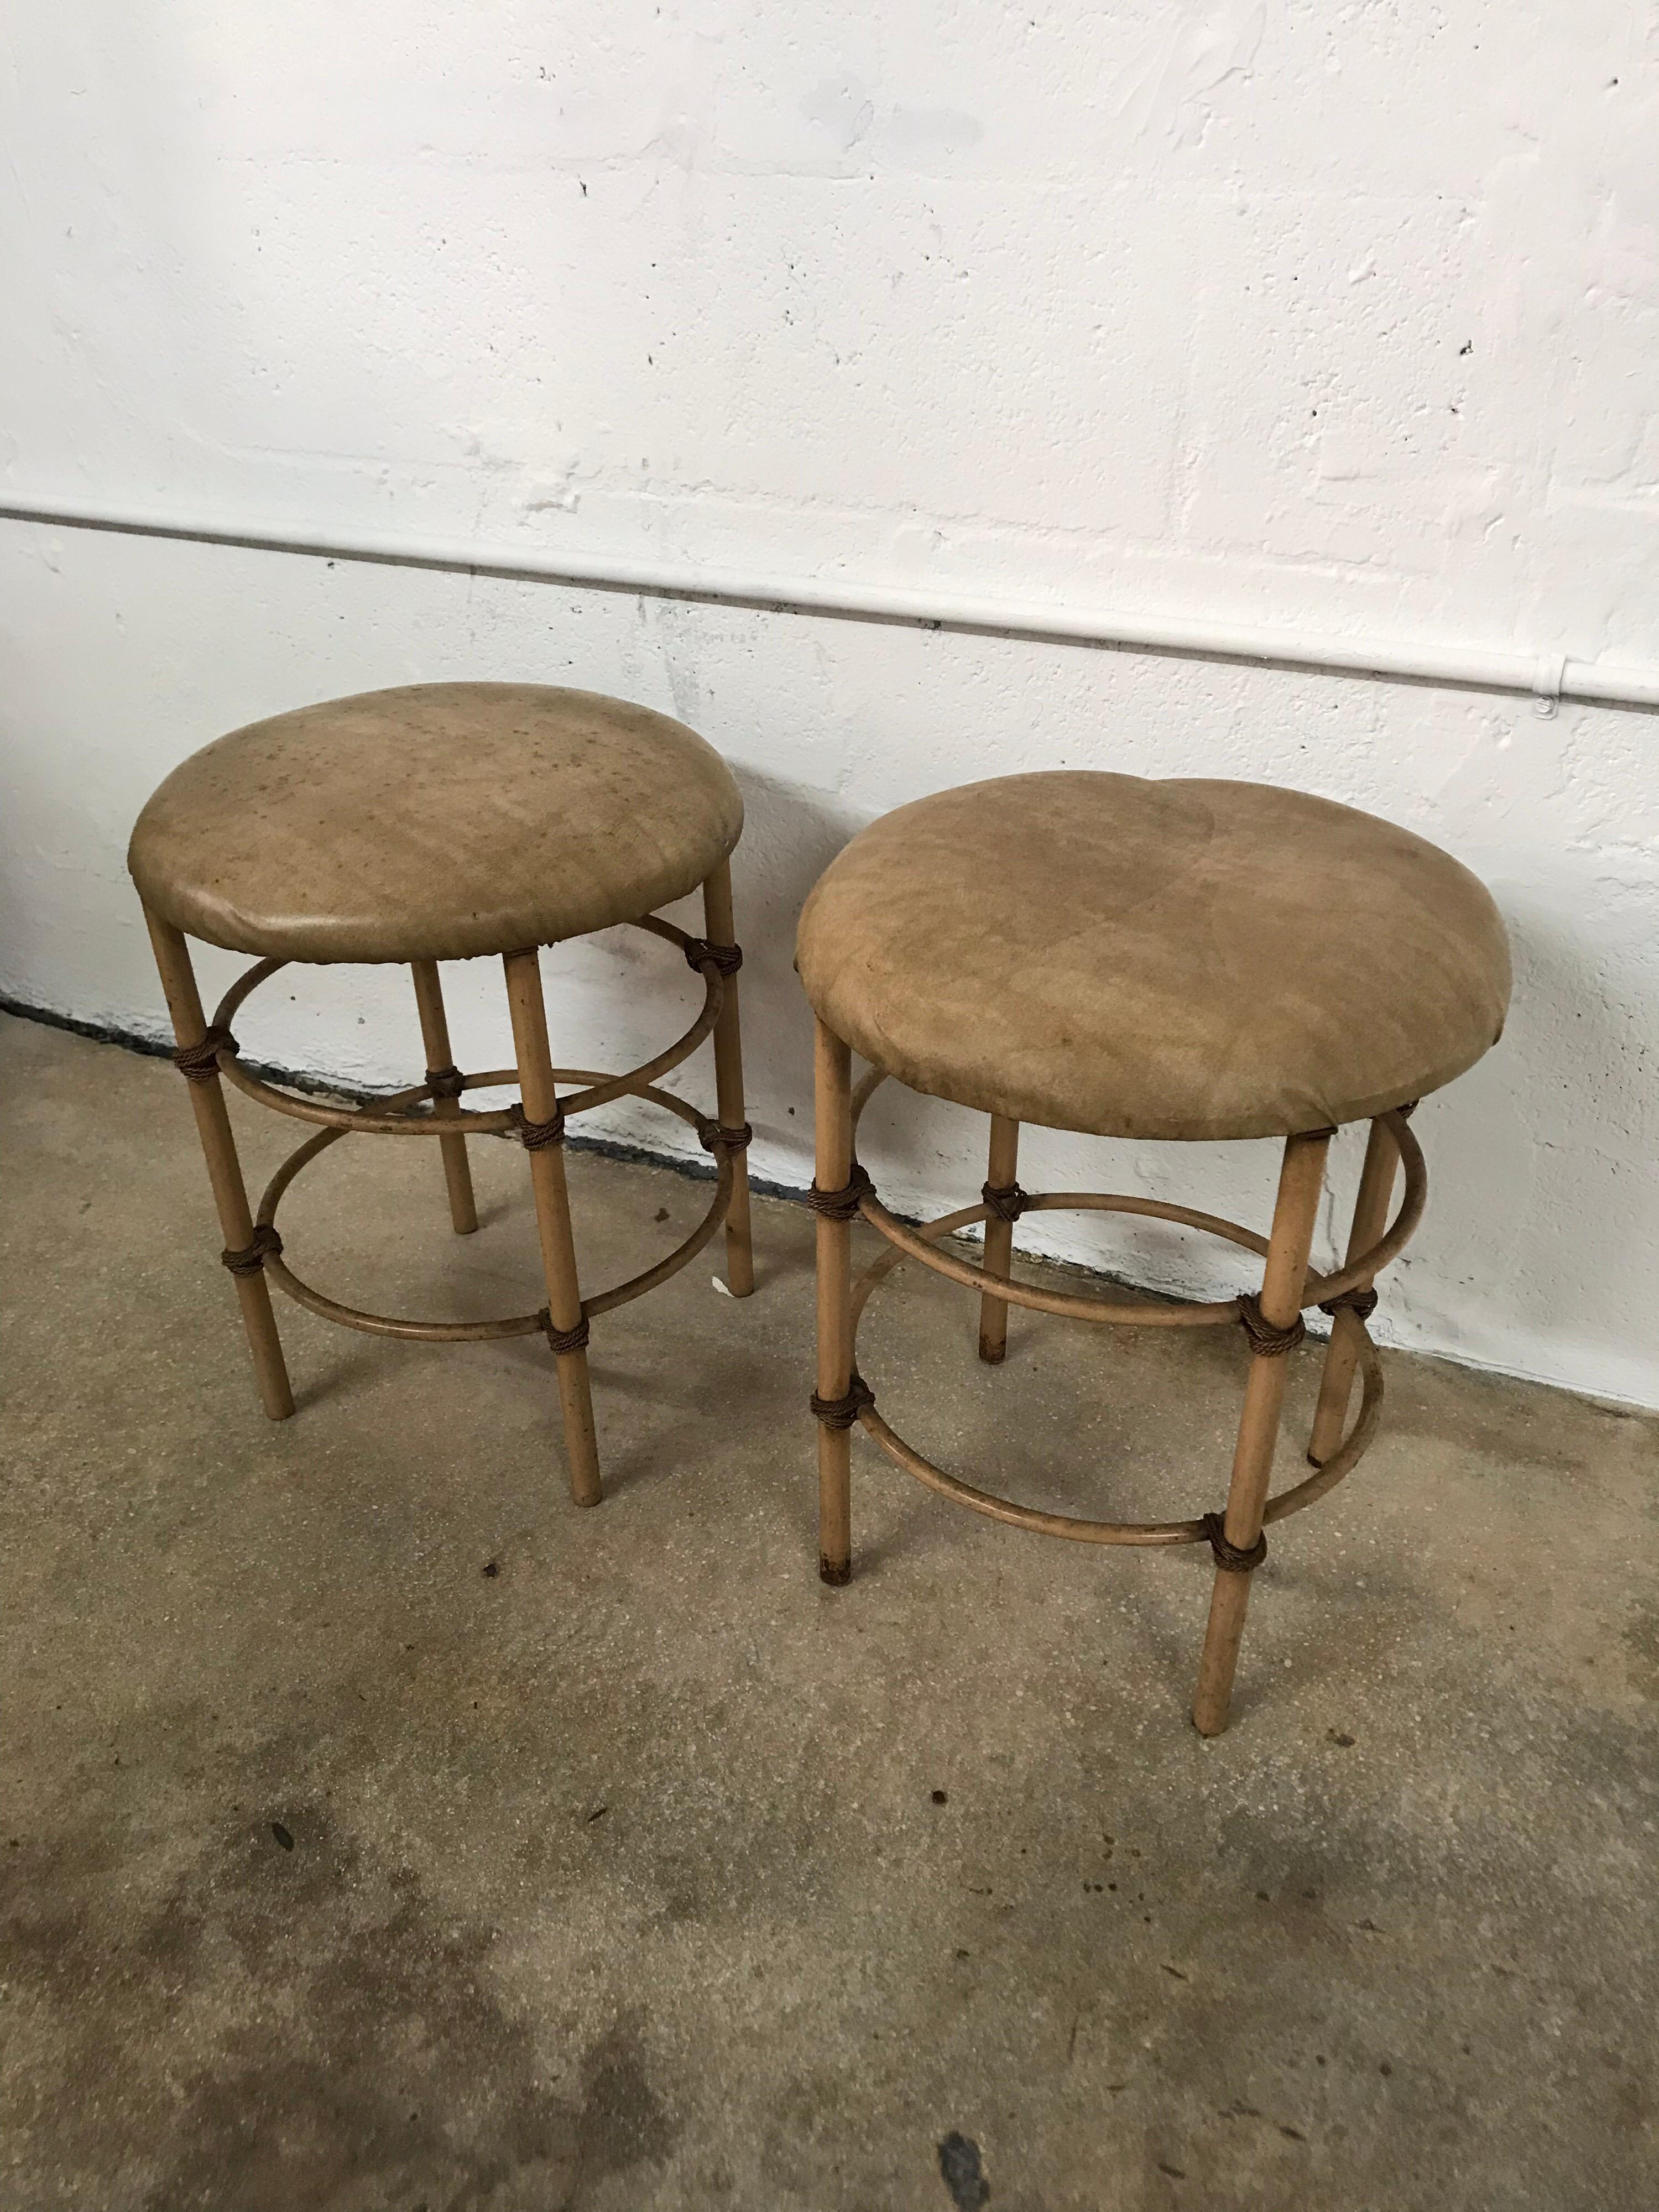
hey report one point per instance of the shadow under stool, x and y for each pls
(1183, 961)
(447, 822)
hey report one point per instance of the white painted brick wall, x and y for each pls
(1341, 317)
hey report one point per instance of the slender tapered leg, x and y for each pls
(564, 1303)
(728, 1086)
(224, 1171)
(1370, 1218)
(434, 1033)
(1284, 1277)
(832, 1171)
(1002, 1168)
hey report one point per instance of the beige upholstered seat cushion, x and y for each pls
(433, 822)
(1150, 959)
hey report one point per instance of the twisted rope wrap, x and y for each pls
(251, 1260)
(535, 1136)
(841, 1412)
(1234, 1559)
(1361, 1302)
(444, 1082)
(565, 1340)
(1007, 1201)
(1266, 1340)
(841, 1204)
(724, 959)
(199, 1063)
(715, 1137)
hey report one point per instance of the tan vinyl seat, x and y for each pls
(1132, 958)
(444, 821)
(434, 822)
(1187, 960)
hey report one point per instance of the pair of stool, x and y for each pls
(1180, 960)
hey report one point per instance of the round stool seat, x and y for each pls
(1186, 959)
(434, 821)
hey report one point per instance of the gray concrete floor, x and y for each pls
(382, 1831)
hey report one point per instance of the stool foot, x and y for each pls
(835, 1507)
(581, 1444)
(224, 1168)
(728, 1085)
(541, 1104)
(435, 1035)
(1370, 1218)
(832, 1170)
(1224, 1632)
(1002, 1169)
(1284, 1277)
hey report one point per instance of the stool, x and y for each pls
(445, 822)
(1181, 960)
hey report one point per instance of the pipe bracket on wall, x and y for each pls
(1546, 684)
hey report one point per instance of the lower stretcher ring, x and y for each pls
(1078, 1529)
(530, 1324)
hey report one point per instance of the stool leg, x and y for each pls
(434, 1035)
(1300, 1182)
(728, 1086)
(1370, 1218)
(832, 1167)
(1002, 1167)
(224, 1170)
(564, 1303)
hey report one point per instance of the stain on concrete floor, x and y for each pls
(646, 1872)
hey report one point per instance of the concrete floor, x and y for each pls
(382, 1831)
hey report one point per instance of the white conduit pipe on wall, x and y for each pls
(1548, 677)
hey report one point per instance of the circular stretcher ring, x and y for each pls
(400, 1114)
(920, 1243)
(393, 1119)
